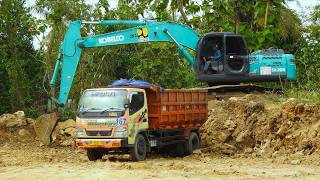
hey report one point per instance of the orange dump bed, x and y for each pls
(175, 108)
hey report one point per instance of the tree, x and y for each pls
(308, 56)
(57, 15)
(18, 66)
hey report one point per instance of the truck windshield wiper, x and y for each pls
(110, 108)
(89, 109)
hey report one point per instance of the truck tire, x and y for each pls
(180, 149)
(193, 143)
(94, 154)
(139, 151)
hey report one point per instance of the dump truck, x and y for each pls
(137, 120)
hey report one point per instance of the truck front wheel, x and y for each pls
(193, 143)
(139, 151)
(94, 154)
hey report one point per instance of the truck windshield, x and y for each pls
(103, 100)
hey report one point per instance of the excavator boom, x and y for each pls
(141, 31)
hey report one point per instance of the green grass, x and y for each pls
(312, 95)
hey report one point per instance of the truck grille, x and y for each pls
(99, 133)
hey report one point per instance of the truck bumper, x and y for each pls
(101, 143)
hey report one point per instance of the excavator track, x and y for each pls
(222, 92)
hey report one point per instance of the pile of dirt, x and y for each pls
(261, 126)
(44, 130)
(64, 134)
(16, 127)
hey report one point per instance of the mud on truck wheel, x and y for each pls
(139, 151)
(94, 154)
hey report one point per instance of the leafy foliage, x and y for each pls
(308, 55)
(20, 71)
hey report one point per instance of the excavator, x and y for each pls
(236, 64)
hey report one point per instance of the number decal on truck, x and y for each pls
(108, 122)
(121, 121)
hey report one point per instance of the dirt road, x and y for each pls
(28, 161)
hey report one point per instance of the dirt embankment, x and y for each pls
(259, 126)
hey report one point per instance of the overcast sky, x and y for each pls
(302, 7)
(297, 5)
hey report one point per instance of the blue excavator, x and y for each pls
(235, 64)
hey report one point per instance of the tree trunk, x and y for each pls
(49, 52)
(49, 60)
(236, 22)
(266, 14)
(173, 16)
(16, 85)
(237, 17)
(180, 7)
(14, 70)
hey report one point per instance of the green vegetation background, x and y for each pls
(25, 72)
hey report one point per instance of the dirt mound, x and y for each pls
(64, 134)
(14, 120)
(261, 126)
(17, 128)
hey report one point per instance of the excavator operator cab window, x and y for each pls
(211, 55)
(236, 52)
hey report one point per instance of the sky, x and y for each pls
(301, 5)
(297, 5)
(302, 8)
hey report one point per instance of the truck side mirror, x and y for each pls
(70, 103)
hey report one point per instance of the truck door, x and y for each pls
(236, 56)
(138, 115)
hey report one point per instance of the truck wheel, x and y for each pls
(139, 151)
(93, 154)
(193, 143)
(180, 149)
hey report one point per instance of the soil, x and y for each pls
(29, 161)
(261, 126)
(244, 137)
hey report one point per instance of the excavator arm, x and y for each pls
(141, 31)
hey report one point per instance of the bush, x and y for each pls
(32, 112)
(67, 113)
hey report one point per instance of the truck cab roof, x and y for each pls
(129, 88)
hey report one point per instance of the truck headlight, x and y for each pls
(121, 131)
(80, 132)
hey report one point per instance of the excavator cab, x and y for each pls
(233, 62)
